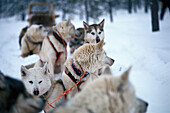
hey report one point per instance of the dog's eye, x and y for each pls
(31, 82)
(100, 32)
(40, 82)
(93, 33)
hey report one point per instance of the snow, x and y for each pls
(129, 40)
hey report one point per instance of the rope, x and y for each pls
(64, 46)
(67, 91)
(47, 101)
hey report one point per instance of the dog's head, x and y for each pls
(37, 32)
(37, 80)
(66, 29)
(94, 33)
(124, 92)
(14, 97)
(92, 56)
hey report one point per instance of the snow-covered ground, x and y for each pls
(129, 40)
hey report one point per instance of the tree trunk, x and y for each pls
(86, 11)
(130, 6)
(64, 14)
(154, 15)
(135, 6)
(23, 16)
(146, 5)
(110, 11)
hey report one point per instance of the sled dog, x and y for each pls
(93, 33)
(39, 83)
(15, 99)
(87, 58)
(54, 46)
(77, 41)
(32, 40)
(107, 94)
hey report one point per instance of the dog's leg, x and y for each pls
(51, 65)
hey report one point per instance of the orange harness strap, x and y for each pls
(67, 91)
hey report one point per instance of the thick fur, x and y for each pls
(91, 57)
(38, 82)
(107, 94)
(36, 33)
(47, 53)
(94, 33)
(15, 99)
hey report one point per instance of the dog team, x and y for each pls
(84, 87)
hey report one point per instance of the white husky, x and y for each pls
(38, 82)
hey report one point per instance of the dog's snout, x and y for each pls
(112, 61)
(146, 104)
(97, 39)
(36, 91)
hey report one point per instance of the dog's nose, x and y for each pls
(146, 104)
(97, 39)
(36, 91)
(112, 61)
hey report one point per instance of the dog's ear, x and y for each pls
(86, 26)
(45, 68)
(101, 24)
(23, 71)
(99, 45)
(68, 22)
(125, 75)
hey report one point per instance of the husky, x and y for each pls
(77, 41)
(32, 40)
(87, 58)
(107, 94)
(54, 46)
(15, 98)
(39, 82)
(93, 33)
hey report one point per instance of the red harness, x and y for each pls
(61, 40)
(58, 54)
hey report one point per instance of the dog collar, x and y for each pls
(33, 41)
(59, 38)
(77, 71)
(67, 72)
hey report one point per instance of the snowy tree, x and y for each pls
(154, 15)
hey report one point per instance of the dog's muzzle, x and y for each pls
(97, 39)
(110, 61)
(36, 92)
